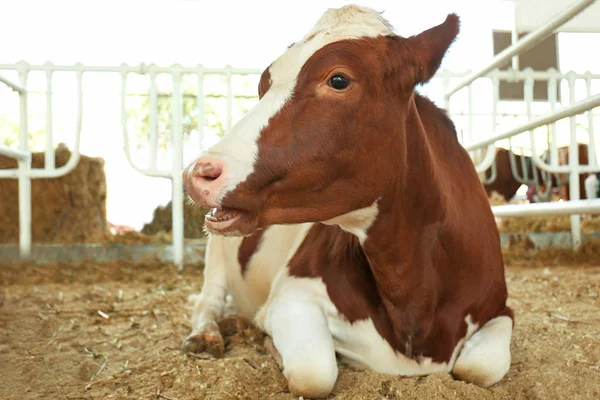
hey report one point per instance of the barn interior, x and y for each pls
(100, 247)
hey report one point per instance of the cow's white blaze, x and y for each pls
(239, 148)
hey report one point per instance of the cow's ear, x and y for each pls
(420, 56)
(265, 83)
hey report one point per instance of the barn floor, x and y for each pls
(113, 331)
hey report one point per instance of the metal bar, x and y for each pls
(552, 97)
(524, 44)
(445, 84)
(592, 160)
(24, 166)
(513, 165)
(200, 102)
(23, 130)
(177, 168)
(24, 209)
(75, 154)
(495, 100)
(547, 195)
(35, 173)
(140, 69)
(49, 157)
(143, 69)
(150, 171)
(470, 111)
(514, 39)
(17, 87)
(513, 76)
(487, 161)
(153, 119)
(572, 109)
(229, 107)
(550, 208)
(574, 169)
(17, 154)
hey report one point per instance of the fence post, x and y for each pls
(24, 166)
(177, 169)
(574, 168)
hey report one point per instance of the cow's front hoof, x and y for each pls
(209, 341)
(233, 324)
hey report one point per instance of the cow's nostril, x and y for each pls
(207, 171)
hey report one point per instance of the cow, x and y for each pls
(506, 185)
(348, 221)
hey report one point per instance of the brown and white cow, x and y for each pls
(506, 185)
(348, 219)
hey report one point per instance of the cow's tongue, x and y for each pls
(222, 215)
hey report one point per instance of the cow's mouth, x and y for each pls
(223, 221)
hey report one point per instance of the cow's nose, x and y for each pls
(204, 179)
(208, 171)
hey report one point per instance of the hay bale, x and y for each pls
(193, 221)
(71, 208)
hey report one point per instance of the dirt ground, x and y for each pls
(114, 331)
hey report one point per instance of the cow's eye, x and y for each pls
(338, 82)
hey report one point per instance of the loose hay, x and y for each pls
(54, 341)
(71, 208)
(131, 237)
(589, 224)
(521, 252)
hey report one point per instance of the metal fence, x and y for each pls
(585, 107)
(24, 173)
(461, 110)
(176, 73)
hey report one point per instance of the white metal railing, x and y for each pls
(177, 134)
(575, 206)
(543, 209)
(524, 44)
(24, 173)
(173, 173)
(176, 73)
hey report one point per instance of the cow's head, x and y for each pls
(326, 137)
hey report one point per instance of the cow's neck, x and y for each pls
(408, 229)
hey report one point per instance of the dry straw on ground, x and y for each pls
(114, 331)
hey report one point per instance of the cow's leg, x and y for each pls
(209, 305)
(302, 338)
(485, 357)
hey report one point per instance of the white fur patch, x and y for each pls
(485, 357)
(359, 343)
(278, 245)
(363, 347)
(239, 148)
(356, 222)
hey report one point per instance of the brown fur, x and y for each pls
(247, 249)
